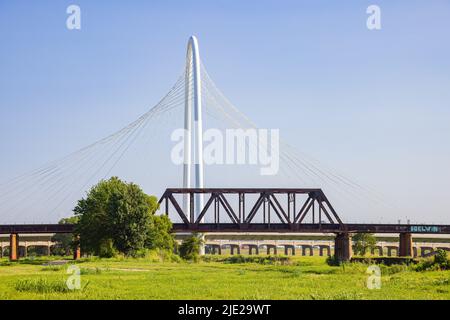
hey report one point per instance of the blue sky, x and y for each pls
(372, 104)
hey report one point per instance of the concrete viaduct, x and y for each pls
(16, 230)
(24, 245)
(311, 248)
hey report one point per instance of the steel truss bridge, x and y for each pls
(241, 210)
(289, 217)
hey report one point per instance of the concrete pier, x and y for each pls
(406, 245)
(343, 247)
(13, 247)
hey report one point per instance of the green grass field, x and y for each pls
(305, 278)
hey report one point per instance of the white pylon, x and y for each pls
(193, 67)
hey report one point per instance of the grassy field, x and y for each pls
(305, 278)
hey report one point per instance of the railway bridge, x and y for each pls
(255, 210)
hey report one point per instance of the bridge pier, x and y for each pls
(389, 250)
(271, 246)
(252, 247)
(380, 250)
(343, 247)
(324, 247)
(13, 247)
(76, 249)
(76, 253)
(202, 244)
(309, 247)
(406, 245)
(214, 248)
(235, 247)
(287, 247)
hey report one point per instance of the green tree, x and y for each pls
(116, 217)
(64, 241)
(363, 242)
(190, 247)
(159, 236)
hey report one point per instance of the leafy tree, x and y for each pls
(190, 247)
(64, 241)
(159, 236)
(363, 242)
(117, 217)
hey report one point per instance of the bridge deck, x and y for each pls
(252, 227)
(313, 228)
(36, 228)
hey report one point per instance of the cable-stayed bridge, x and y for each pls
(52, 191)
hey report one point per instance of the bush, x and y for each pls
(388, 261)
(333, 261)
(157, 255)
(190, 248)
(393, 269)
(439, 262)
(441, 259)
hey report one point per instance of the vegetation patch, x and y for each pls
(85, 271)
(336, 296)
(388, 261)
(190, 248)
(306, 278)
(53, 268)
(265, 260)
(41, 285)
(439, 262)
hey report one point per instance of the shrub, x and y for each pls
(190, 248)
(333, 261)
(439, 262)
(441, 259)
(158, 255)
(424, 265)
(393, 269)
